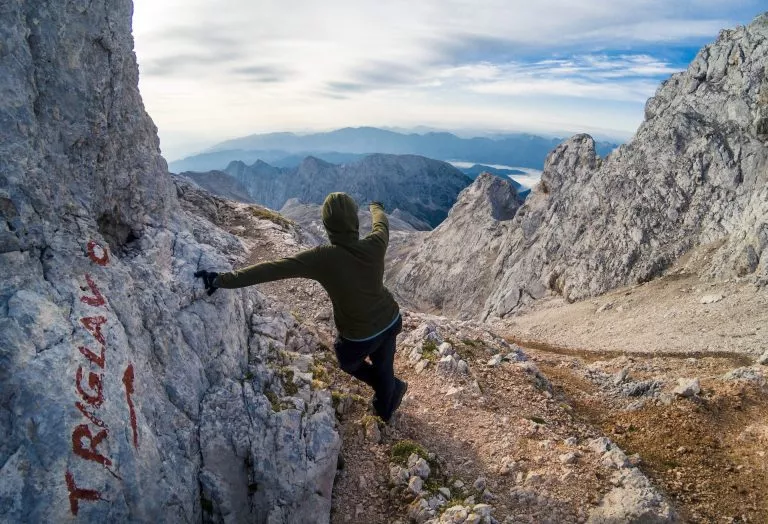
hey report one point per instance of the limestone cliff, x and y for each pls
(126, 393)
(696, 173)
(461, 250)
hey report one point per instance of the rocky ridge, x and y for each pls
(461, 251)
(127, 393)
(694, 176)
(420, 186)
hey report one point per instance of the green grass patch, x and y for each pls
(274, 217)
(403, 449)
(319, 384)
(319, 373)
(537, 420)
(368, 419)
(286, 374)
(432, 484)
(336, 398)
(429, 350)
(273, 399)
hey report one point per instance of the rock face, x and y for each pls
(451, 267)
(695, 174)
(127, 393)
(420, 186)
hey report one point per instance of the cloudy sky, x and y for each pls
(213, 70)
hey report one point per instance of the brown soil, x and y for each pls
(706, 453)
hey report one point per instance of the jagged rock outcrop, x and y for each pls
(128, 394)
(695, 174)
(461, 250)
(420, 186)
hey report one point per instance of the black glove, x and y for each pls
(208, 278)
(377, 202)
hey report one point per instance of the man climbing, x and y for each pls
(351, 270)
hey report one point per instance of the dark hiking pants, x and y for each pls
(379, 373)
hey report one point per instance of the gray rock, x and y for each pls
(711, 299)
(398, 474)
(763, 359)
(620, 377)
(372, 431)
(418, 466)
(687, 387)
(419, 510)
(614, 458)
(600, 445)
(445, 492)
(695, 172)
(453, 391)
(479, 483)
(753, 375)
(484, 510)
(447, 365)
(127, 392)
(568, 458)
(462, 367)
(415, 485)
(421, 364)
(479, 218)
(495, 360)
(473, 518)
(455, 515)
(640, 388)
(445, 349)
(633, 500)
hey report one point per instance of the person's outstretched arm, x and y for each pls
(380, 223)
(301, 265)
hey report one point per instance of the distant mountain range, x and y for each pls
(417, 186)
(350, 144)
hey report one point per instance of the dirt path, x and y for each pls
(512, 427)
(520, 440)
(707, 452)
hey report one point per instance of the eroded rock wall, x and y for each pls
(695, 174)
(126, 393)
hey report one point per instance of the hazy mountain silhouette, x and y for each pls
(522, 149)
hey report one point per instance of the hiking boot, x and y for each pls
(399, 393)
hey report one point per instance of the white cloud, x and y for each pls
(215, 69)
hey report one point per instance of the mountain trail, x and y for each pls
(516, 428)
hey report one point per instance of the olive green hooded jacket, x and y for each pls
(351, 270)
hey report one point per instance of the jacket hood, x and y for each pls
(340, 218)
